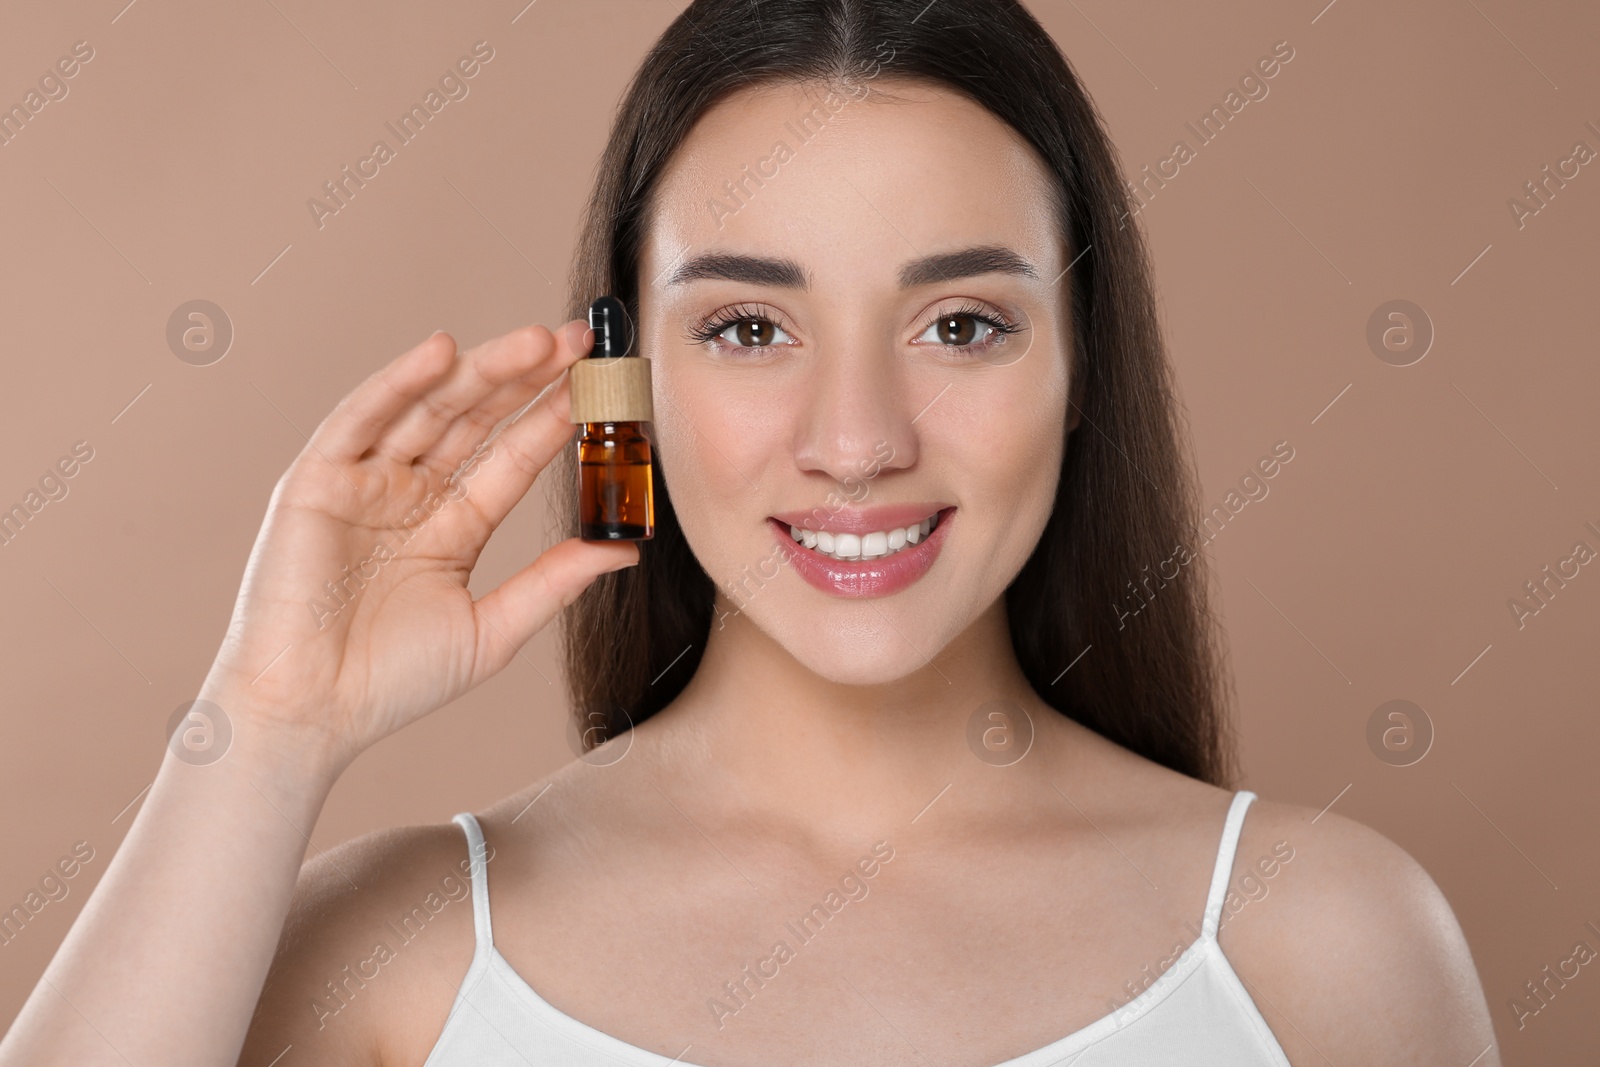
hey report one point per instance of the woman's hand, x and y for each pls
(354, 617)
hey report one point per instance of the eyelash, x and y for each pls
(711, 328)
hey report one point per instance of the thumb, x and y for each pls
(526, 602)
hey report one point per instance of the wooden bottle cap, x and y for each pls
(611, 390)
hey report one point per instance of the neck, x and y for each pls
(762, 733)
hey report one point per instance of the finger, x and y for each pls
(532, 351)
(474, 426)
(526, 602)
(364, 413)
(524, 447)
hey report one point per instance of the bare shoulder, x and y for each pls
(1348, 946)
(378, 937)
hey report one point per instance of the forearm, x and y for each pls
(167, 960)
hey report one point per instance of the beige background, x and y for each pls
(1379, 567)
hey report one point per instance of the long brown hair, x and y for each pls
(1150, 676)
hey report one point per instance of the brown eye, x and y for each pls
(956, 329)
(966, 331)
(743, 335)
(753, 333)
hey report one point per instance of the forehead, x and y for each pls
(852, 184)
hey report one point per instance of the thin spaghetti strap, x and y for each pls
(480, 878)
(1224, 867)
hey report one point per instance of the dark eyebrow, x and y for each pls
(944, 267)
(753, 269)
(947, 266)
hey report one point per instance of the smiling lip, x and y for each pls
(861, 520)
(883, 576)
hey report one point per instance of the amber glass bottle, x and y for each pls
(611, 401)
(614, 498)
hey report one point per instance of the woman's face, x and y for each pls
(856, 311)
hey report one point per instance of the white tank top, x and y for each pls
(1197, 1012)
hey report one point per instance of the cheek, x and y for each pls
(711, 432)
(1044, 444)
(1020, 477)
(1009, 439)
(715, 444)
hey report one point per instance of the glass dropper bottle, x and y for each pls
(611, 400)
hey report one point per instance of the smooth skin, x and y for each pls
(1019, 901)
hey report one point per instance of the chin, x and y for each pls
(849, 644)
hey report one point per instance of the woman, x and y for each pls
(952, 803)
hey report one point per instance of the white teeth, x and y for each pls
(875, 545)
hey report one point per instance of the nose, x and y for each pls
(856, 417)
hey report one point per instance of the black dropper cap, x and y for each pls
(612, 335)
